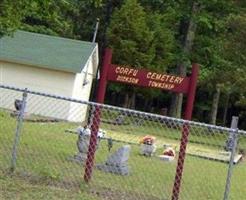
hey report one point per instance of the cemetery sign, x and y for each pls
(145, 78)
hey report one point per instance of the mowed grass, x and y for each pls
(44, 169)
(16, 188)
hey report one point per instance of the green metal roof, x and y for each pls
(46, 51)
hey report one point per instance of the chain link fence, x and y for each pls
(50, 140)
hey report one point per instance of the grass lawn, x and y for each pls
(13, 187)
(44, 170)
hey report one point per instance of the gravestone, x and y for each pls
(147, 149)
(229, 143)
(119, 120)
(117, 162)
(83, 143)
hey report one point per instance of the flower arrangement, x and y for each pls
(169, 152)
(147, 147)
(148, 139)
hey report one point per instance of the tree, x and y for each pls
(217, 49)
(48, 17)
(42, 16)
(235, 52)
(11, 14)
(201, 25)
(129, 35)
(131, 40)
(163, 41)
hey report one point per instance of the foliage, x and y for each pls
(11, 14)
(48, 17)
(163, 42)
(129, 35)
(151, 34)
(130, 38)
(83, 17)
(141, 39)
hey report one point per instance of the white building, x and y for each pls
(48, 64)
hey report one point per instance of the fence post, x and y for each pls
(96, 115)
(185, 132)
(18, 131)
(233, 137)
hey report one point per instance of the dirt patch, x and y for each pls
(34, 179)
(113, 194)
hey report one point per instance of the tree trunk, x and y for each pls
(133, 100)
(146, 104)
(118, 99)
(179, 105)
(172, 109)
(126, 101)
(215, 103)
(187, 30)
(113, 98)
(226, 108)
(182, 72)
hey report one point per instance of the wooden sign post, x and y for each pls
(149, 79)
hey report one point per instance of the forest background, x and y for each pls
(165, 36)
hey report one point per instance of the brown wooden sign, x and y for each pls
(145, 78)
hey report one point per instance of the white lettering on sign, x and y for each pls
(126, 71)
(164, 78)
(127, 79)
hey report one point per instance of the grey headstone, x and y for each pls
(79, 158)
(147, 150)
(119, 119)
(120, 157)
(121, 170)
(117, 162)
(83, 145)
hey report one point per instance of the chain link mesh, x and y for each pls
(136, 153)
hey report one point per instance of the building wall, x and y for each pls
(37, 79)
(81, 90)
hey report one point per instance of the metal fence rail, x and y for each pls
(46, 142)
